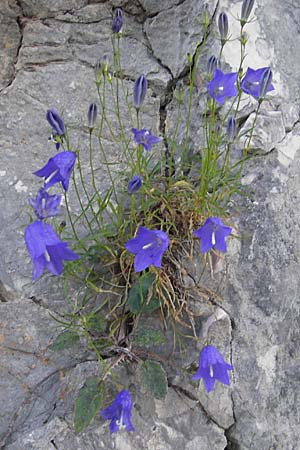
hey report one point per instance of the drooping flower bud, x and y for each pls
(117, 21)
(212, 64)
(134, 184)
(101, 68)
(56, 122)
(180, 91)
(231, 129)
(265, 82)
(92, 114)
(223, 27)
(246, 11)
(139, 91)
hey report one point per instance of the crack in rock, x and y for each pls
(32, 397)
(190, 396)
(21, 25)
(53, 443)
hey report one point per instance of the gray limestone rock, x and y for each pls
(262, 297)
(30, 372)
(175, 32)
(10, 41)
(155, 6)
(42, 9)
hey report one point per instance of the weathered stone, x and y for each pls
(60, 41)
(10, 40)
(288, 147)
(30, 373)
(36, 8)
(186, 429)
(269, 131)
(155, 6)
(180, 29)
(263, 301)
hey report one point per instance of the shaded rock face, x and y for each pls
(47, 52)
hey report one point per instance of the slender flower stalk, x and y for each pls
(193, 64)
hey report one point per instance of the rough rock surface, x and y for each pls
(47, 50)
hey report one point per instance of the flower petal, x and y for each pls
(55, 265)
(220, 373)
(39, 265)
(113, 426)
(141, 261)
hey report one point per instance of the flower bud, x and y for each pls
(189, 58)
(139, 91)
(244, 39)
(212, 64)
(246, 11)
(92, 114)
(101, 68)
(264, 83)
(180, 91)
(223, 27)
(117, 21)
(231, 129)
(206, 18)
(56, 122)
(134, 184)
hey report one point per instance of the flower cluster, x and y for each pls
(212, 367)
(255, 83)
(149, 245)
(45, 248)
(142, 137)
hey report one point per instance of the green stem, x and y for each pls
(125, 93)
(247, 145)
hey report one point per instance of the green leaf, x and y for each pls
(140, 298)
(88, 403)
(154, 379)
(95, 323)
(67, 339)
(146, 337)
